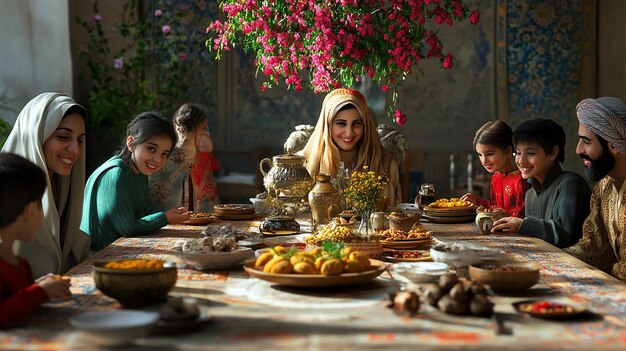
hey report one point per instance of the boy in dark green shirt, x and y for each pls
(558, 202)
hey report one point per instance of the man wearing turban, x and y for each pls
(602, 146)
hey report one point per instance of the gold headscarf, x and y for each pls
(323, 155)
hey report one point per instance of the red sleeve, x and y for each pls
(19, 294)
(520, 188)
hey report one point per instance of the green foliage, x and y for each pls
(142, 68)
(5, 129)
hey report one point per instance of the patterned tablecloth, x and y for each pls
(247, 313)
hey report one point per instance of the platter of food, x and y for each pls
(549, 309)
(200, 218)
(316, 280)
(400, 235)
(407, 255)
(452, 207)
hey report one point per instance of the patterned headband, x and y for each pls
(348, 91)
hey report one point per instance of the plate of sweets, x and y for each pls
(399, 239)
(549, 309)
(200, 218)
(406, 255)
(451, 210)
(332, 264)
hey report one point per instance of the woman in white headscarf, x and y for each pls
(346, 132)
(50, 132)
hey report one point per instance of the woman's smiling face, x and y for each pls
(347, 129)
(63, 148)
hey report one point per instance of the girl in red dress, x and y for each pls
(493, 144)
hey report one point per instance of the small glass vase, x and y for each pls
(365, 227)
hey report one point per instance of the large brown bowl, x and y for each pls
(135, 287)
(506, 277)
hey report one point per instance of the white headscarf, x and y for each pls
(34, 125)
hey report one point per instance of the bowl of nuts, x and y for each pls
(508, 277)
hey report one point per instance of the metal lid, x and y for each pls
(289, 159)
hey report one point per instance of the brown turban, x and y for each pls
(606, 117)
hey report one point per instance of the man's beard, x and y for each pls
(599, 167)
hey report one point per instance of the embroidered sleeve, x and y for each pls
(594, 247)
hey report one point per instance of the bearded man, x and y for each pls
(602, 146)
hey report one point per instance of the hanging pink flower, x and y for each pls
(166, 29)
(400, 117)
(158, 13)
(447, 61)
(182, 56)
(95, 18)
(339, 41)
(475, 17)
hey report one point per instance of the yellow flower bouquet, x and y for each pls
(363, 193)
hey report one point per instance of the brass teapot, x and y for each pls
(287, 176)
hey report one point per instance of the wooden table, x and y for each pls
(247, 313)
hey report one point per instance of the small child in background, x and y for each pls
(116, 195)
(22, 185)
(187, 179)
(494, 146)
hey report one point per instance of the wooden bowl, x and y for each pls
(135, 287)
(506, 277)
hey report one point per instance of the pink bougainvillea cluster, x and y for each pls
(336, 41)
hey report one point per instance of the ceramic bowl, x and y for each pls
(135, 287)
(421, 272)
(464, 254)
(115, 327)
(506, 277)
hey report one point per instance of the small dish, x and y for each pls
(179, 315)
(407, 255)
(115, 327)
(421, 272)
(549, 309)
(233, 209)
(200, 219)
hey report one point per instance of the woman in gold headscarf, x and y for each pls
(345, 132)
